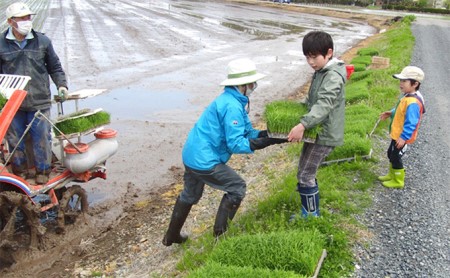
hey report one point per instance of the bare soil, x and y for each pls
(130, 246)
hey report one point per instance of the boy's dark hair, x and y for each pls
(413, 81)
(317, 42)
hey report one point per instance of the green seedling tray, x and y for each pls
(281, 116)
(82, 121)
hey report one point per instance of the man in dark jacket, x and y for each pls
(24, 51)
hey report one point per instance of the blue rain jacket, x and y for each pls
(223, 129)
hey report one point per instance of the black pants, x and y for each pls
(395, 155)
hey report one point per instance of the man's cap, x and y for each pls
(18, 9)
(410, 72)
(240, 72)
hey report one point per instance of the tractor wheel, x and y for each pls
(20, 226)
(73, 204)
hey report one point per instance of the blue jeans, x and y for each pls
(222, 177)
(40, 138)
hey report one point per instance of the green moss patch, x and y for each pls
(79, 123)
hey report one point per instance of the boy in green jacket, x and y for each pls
(326, 104)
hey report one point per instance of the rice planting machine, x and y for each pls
(26, 207)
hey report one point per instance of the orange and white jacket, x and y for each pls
(406, 117)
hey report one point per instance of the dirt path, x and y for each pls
(128, 244)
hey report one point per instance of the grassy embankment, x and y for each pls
(262, 242)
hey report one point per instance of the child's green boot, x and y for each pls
(389, 175)
(398, 180)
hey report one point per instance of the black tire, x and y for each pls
(73, 204)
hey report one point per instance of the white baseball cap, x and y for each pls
(240, 72)
(411, 72)
(18, 9)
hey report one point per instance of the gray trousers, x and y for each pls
(310, 159)
(222, 177)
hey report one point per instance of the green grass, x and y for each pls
(262, 242)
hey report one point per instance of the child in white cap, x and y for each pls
(405, 121)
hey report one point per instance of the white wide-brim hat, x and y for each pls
(18, 9)
(240, 72)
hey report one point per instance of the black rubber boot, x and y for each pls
(179, 215)
(226, 212)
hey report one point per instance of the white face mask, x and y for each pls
(24, 27)
(249, 90)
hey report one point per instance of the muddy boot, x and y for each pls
(42, 177)
(179, 215)
(19, 170)
(388, 176)
(226, 212)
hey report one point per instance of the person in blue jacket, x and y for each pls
(223, 129)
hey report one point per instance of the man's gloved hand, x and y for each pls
(261, 143)
(263, 134)
(63, 93)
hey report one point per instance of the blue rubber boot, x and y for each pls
(310, 202)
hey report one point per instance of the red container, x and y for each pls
(350, 70)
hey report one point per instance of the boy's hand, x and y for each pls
(385, 115)
(296, 133)
(400, 143)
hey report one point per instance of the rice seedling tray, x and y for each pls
(281, 116)
(82, 122)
